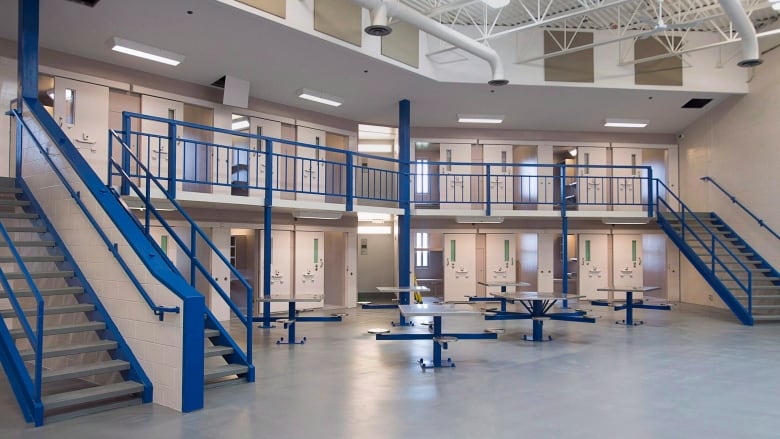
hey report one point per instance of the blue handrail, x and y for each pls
(742, 206)
(145, 196)
(36, 339)
(713, 239)
(158, 310)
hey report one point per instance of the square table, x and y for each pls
(503, 286)
(439, 338)
(538, 306)
(630, 303)
(403, 299)
(292, 317)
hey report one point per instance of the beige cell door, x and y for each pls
(309, 267)
(594, 265)
(455, 184)
(627, 262)
(545, 182)
(546, 262)
(500, 264)
(310, 166)
(281, 269)
(154, 150)
(627, 184)
(501, 184)
(460, 265)
(82, 110)
(592, 184)
(256, 164)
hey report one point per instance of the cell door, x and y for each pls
(627, 182)
(455, 184)
(309, 266)
(546, 262)
(310, 166)
(281, 269)
(154, 149)
(501, 184)
(82, 110)
(256, 162)
(627, 261)
(500, 251)
(594, 266)
(545, 183)
(460, 265)
(592, 181)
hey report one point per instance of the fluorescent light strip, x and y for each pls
(480, 118)
(240, 125)
(626, 123)
(143, 51)
(322, 98)
(374, 230)
(375, 147)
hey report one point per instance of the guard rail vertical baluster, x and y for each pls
(650, 199)
(350, 182)
(171, 159)
(124, 188)
(488, 206)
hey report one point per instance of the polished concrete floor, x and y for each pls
(688, 373)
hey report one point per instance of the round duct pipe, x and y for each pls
(379, 26)
(741, 22)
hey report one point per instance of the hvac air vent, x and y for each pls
(697, 103)
(90, 3)
(219, 83)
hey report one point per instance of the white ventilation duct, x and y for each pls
(380, 9)
(741, 22)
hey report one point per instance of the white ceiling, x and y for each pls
(218, 39)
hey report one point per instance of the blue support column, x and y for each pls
(269, 194)
(404, 189)
(564, 240)
(192, 354)
(27, 65)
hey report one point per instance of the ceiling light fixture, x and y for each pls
(626, 123)
(496, 4)
(479, 219)
(143, 51)
(573, 152)
(480, 118)
(376, 218)
(374, 230)
(316, 214)
(320, 97)
(375, 146)
(239, 125)
(626, 221)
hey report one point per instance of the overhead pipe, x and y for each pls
(740, 20)
(380, 9)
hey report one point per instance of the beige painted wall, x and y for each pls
(736, 144)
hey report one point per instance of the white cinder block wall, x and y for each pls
(737, 145)
(157, 345)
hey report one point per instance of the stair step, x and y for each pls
(767, 318)
(761, 279)
(92, 394)
(51, 310)
(211, 333)
(14, 215)
(766, 287)
(62, 351)
(31, 229)
(36, 243)
(216, 351)
(10, 190)
(28, 259)
(223, 371)
(9, 202)
(65, 329)
(26, 292)
(84, 370)
(41, 274)
(766, 307)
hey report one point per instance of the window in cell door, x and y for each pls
(70, 106)
(421, 257)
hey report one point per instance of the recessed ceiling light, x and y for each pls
(480, 118)
(241, 124)
(320, 97)
(626, 123)
(143, 51)
(496, 4)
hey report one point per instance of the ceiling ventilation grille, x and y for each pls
(697, 103)
(90, 3)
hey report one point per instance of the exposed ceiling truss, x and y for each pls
(624, 20)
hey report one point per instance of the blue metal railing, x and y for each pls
(112, 247)
(145, 195)
(734, 200)
(708, 240)
(34, 337)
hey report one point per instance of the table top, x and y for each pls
(632, 289)
(504, 284)
(535, 295)
(420, 288)
(447, 310)
(316, 298)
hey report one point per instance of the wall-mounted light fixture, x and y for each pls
(319, 97)
(143, 51)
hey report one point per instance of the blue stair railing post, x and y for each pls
(564, 237)
(171, 159)
(488, 207)
(193, 246)
(650, 198)
(350, 181)
(269, 147)
(126, 128)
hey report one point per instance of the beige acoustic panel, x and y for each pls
(666, 71)
(276, 7)
(403, 44)
(572, 67)
(340, 19)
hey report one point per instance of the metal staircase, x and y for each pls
(79, 362)
(741, 277)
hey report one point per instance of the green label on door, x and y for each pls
(587, 250)
(633, 250)
(316, 250)
(452, 250)
(506, 250)
(164, 243)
